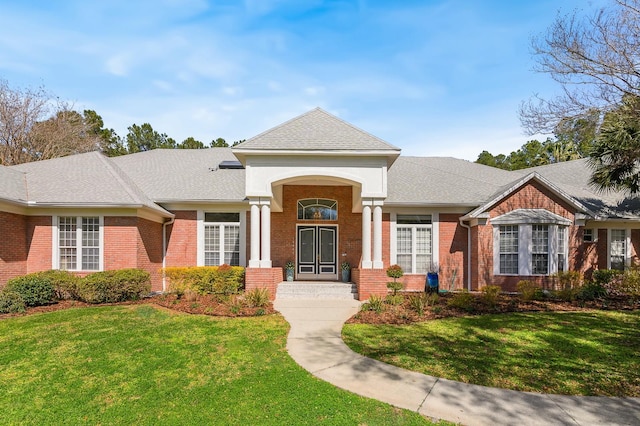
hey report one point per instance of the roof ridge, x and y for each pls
(118, 174)
(356, 127)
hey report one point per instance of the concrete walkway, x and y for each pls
(316, 344)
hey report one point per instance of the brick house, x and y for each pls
(315, 191)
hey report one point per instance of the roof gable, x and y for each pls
(316, 130)
(534, 176)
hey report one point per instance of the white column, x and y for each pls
(377, 236)
(254, 261)
(366, 237)
(265, 258)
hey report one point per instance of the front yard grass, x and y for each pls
(573, 353)
(141, 364)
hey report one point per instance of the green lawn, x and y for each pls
(576, 353)
(142, 365)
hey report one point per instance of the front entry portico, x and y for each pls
(316, 257)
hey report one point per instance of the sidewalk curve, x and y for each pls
(316, 344)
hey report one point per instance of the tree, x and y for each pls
(110, 143)
(66, 133)
(144, 138)
(616, 153)
(35, 126)
(218, 143)
(191, 143)
(593, 58)
(595, 61)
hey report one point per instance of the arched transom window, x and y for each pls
(317, 209)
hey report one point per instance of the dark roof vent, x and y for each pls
(230, 165)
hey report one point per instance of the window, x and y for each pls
(530, 249)
(562, 248)
(540, 249)
(317, 209)
(221, 239)
(509, 249)
(414, 243)
(618, 249)
(589, 236)
(79, 243)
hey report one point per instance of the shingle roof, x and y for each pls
(573, 177)
(184, 174)
(89, 179)
(316, 130)
(12, 185)
(443, 181)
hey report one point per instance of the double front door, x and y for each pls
(317, 253)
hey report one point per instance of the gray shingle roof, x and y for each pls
(184, 174)
(89, 179)
(443, 181)
(316, 130)
(573, 178)
(12, 185)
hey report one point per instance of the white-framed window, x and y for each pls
(562, 248)
(508, 249)
(78, 243)
(618, 249)
(590, 235)
(539, 249)
(530, 249)
(414, 242)
(222, 239)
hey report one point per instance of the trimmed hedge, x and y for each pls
(11, 302)
(65, 283)
(222, 280)
(114, 286)
(34, 289)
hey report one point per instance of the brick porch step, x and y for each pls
(316, 290)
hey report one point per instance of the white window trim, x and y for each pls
(594, 234)
(435, 237)
(200, 234)
(525, 246)
(55, 240)
(627, 246)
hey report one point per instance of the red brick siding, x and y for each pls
(453, 252)
(530, 196)
(182, 239)
(268, 278)
(39, 238)
(150, 251)
(13, 250)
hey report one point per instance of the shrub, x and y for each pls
(222, 280)
(625, 284)
(235, 304)
(604, 276)
(11, 302)
(65, 283)
(591, 291)
(567, 285)
(529, 290)
(490, 295)
(34, 289)
(463, 301)
(394, 286)
(114, 286)
(257, 297)
(375, 304)
(394, 299)
(395, 272)
(419, 302)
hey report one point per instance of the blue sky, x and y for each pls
(433, 77)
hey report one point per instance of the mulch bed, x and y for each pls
(404, 314)
(204, 305)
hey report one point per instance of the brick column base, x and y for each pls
(370, 282)
(268, 278)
